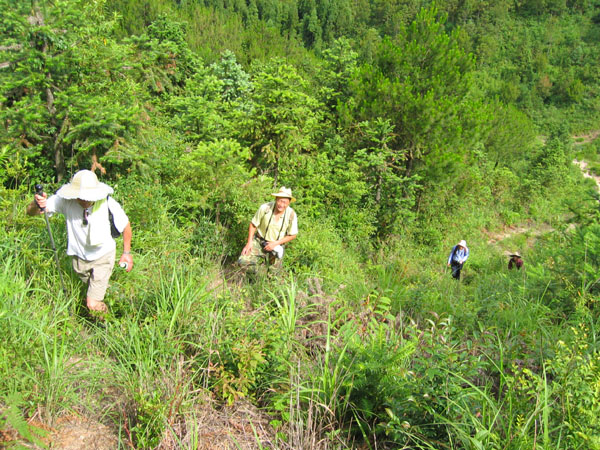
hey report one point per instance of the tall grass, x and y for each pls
(392, 353)
(41, 343)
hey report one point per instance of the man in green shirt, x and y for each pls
(274, 225)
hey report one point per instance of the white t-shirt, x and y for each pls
(91, 241)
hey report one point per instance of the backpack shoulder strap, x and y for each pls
(111, 220)
(453, 252)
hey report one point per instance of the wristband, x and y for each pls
(126, 253)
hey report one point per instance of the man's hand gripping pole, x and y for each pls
(39, 190)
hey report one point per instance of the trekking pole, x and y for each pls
(39, 190)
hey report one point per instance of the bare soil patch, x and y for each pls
(586, 172)
(239, 426)
(68, 433)
(533, 232)
(586, 138)
(75, 433)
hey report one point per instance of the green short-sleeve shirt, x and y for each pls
(285, 225)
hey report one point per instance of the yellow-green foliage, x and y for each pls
(576, 367)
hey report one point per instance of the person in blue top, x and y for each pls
(457, 258)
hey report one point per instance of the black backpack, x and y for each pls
(113, 229)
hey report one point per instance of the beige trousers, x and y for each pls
(95, 274)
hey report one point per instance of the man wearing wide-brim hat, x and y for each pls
(86, 204)
(515, 260)
(274, 225)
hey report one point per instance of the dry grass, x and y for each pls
(207, 427)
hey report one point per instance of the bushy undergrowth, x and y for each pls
(363, 339)
(348, 345)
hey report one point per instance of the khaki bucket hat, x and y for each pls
(284, 192)
(85, 185)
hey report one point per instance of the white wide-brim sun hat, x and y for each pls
(463, 243)
(85, 186)
(284, 192)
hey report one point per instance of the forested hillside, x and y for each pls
(402, 127)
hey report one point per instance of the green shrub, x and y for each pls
(575, 368)
(319, 248)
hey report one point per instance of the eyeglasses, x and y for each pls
(85, 217)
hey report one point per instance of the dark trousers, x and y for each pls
(456, 268)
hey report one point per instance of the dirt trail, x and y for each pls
(68, 433)
(586, 138)
(586, 172)
(536, 231)
(241, 426)
(583, 165)
(533, 231)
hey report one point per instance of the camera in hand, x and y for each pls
(264, 244)
(277, 252)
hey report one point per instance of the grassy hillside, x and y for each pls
(385, 349)
(401, 130)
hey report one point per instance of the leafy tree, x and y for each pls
(284, 120)
(66, 89)
(422, 83)
(170, 37)
(333, 77)
(551, 164)
(163, 60)
(235, 81)
(378, 159)
(510, 134)
(391, 193)
(311, 25)
(135, 15)
(332, 189)
(196, 113)
(220, 192)
(215, 172)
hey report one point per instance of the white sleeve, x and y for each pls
(55, 204)
(121, 219)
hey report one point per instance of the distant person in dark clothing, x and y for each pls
(515, 260)
(457, 258)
